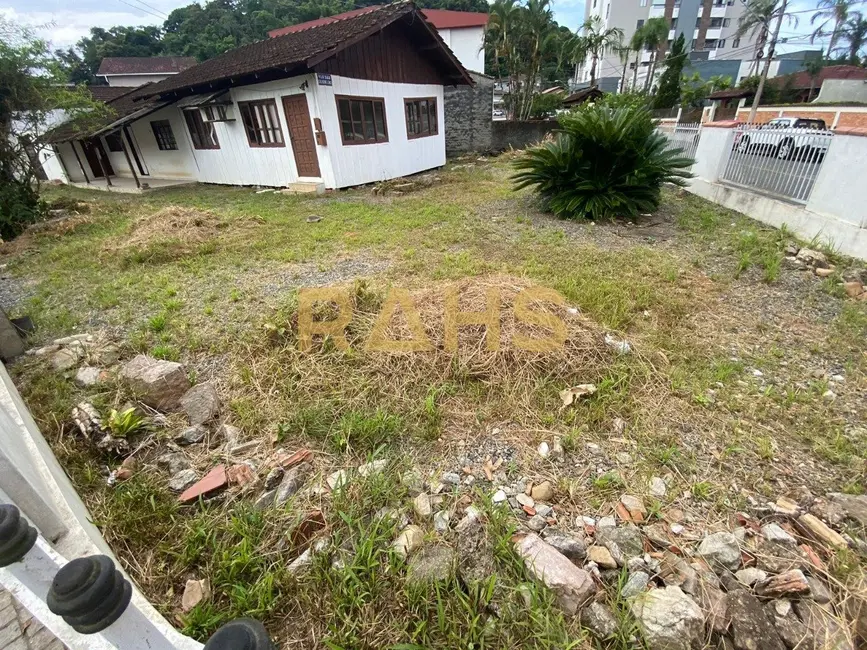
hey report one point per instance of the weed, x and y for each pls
(702, 490)
(121, 424)
(157, 323)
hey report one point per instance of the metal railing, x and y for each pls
(682, 136)
(783, 162)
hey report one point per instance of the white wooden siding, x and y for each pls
(467, 44)
(367, 163)
(178, 164)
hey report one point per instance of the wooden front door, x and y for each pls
(301, 135)
(93, 151)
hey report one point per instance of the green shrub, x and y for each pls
(20, 206)
(603, 163)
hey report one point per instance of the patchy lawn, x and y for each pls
(745, 381)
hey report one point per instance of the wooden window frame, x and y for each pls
(156, 125)
(358, 98)
(199, 131)
(114, 142)
(416, 100)
(254, 106)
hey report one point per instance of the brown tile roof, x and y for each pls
(802, 79)
(439, 18)
(584, 95)
(297, 52)
(732, 93)
(107, 93)
(144, 64)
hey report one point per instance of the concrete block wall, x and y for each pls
(518, 135)
(468, 116)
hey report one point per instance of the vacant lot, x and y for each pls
(744, 380)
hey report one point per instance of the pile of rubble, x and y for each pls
(806, 259)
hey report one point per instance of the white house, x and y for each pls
(351, 101)
(462, 31)
(133, 71)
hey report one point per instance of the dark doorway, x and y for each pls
(301, 135)
(94, 151)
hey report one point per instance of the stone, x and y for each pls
(213, 481)
(124, 473)
(499, 496)
(64, 359)
(855, 507)
(373, 467)
(657, 487)
(712, 601)
(750, 576)
(853, 289)
(721, 549)
(775, 533)
(635, 507)
(572, 587)
(88, 376)
(777, 558)
(634, 585)
(293, 480)
(201, 403)
(441, 521)
(195, 592)
(470, 519)
(241, 474)
(623, 458)
(817, 529)
(525, 500)
(791, 583)
(182, 480)
(544, 510)
(301, 562)
(602, 557)
(572, 548)
(231, 434)
(830, 512)
(537, 523)
(544, 450)
(791, 630)
(173, 462)
(625, 541)
(606, 522)
(751, 629)
(668, 619)
(408, 541)
(786, 506)
(823, 626)
(434, 563)
(422, 506)
(475, 549)
(450, 478)
(812, 258)
(676, 572)
(274, 478)
(191, 435)
(159, 384)
(818, 591)
(338, 479)
(542, 492)
(265, 500)
(599, 619)
(824, 273)
(657, 534)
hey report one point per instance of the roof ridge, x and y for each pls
(362, 12)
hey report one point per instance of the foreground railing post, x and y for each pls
(240, 634)
(85, 603)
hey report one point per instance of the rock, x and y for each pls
(88, 421)
(525, 500)
(472, 516)
(265, 500)
(812, 258)
(214, 481)
(293, 480)
(88, 376)
(410, 540)
(669, 619)
(499, 496)
(791, 249)
(124, 473)
(793, 633)
(301, 562)
(441, 521)
(231, 434)
(824, 273)
(775, 533)
(572, 548)
(623, 458)
(64, 359)
(542, 492)
(544, 511)
(537, 523)
(599, 619)
(657, 487)
(373, 467)
(431, 564)
(855, 507)
(173, 462)
(195, 592)
(160, 384)
(823, 626)
(793, 263)
(786, 506)
(191, 435)
(182, 480)
(201, 403)
(606, 522)
(677, 573)
(602, 557)
(816, 529)
(751, 629)
(777, 558)
(750, 576)
(544, 450)
(625, 541)
(274, 478)
(241, 474)
(818, 591)
(475, 549)
(712, 602)
(635, 507)
(790, 583)
(450, 478)
(572, 587)
(721, 549)
(422, 506)
(830, 512)
(658, 535)
(635, 585)
(853, 289)
(338, 479)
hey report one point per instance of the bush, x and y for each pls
(603, 163)
(20, 206)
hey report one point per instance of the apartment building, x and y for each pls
(709, 27)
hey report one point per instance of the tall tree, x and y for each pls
(636, 44)
(813, 68)
(855, 35)
(594, 41)
(668, 92)
(655, 34)
(834, 13)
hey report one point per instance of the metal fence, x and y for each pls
(784, 162)
(682, 136)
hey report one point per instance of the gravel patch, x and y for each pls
(312, 275)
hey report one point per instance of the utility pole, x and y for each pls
(767, 67)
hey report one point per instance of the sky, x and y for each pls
(63, 22)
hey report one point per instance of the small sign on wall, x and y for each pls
(323, 78)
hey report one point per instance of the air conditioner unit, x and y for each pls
(223, 112)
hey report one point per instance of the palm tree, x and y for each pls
(758, 17)
(623, 51)
(595, 42)
(655, 34)
(813, 68)
(833, 12)
(636, 44)
(855, 34)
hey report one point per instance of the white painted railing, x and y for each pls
(682, 137)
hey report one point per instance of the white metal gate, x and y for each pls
(682, 136)
(784, 162)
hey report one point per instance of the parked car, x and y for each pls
(786, 138)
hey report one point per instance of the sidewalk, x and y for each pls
(20, 631)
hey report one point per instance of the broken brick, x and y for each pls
(240, 474)
(213, 481)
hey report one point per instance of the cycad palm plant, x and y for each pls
(602, 163)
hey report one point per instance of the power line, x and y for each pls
(141, 2)
(142, 10)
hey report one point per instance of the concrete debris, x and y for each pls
(572, 587)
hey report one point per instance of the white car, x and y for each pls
(786, 138)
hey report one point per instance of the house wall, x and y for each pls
(467, 45)
(130, 80)
(468, 116)
(519, 135)
(75, 175)
(348, 165)
(843, 90)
